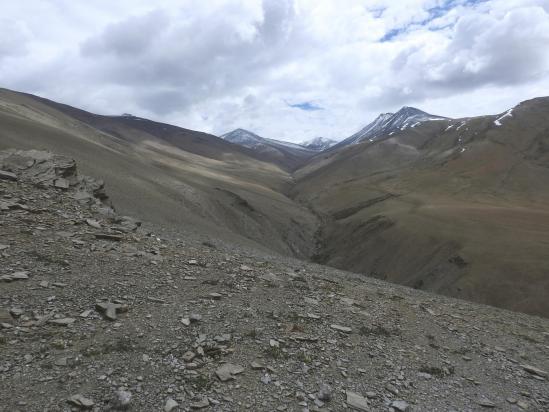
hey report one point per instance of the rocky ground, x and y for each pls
(101, 313)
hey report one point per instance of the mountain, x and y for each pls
(458, 207)
(166, 174)
(287, 155)
(387, 124)
(319, 144)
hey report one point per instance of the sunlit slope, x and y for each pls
(213, 187)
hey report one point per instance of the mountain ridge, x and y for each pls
(387, 124)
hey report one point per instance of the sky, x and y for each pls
(284, 69)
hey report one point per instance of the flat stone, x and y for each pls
(257, 365)
(4, 247)
(110, 309)
(121, 401)
(324, 392)
(22, 275)
(16, 312)
(5, 175)
(93, 223)
(523, 405)
(81, 401)
(61, 183)
(86, 313)
(195, 317)
(486, 403)
(5, 316)
(227, 371)
(109, 236)
(201, 404)
(64, 361)
(156, 300)
(400, 406)
(354, 400)
(340, 328)
(188, 356)
(534, 371)
(62, 321)
(170, 405)
(215, 296)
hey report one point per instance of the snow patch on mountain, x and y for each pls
(508, 113)
(250, 140)
(389, 123)
(319, 143)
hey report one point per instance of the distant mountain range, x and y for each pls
(285, 154)
(386, 124)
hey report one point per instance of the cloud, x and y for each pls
(218, 65)
(14, 38)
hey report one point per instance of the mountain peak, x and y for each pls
(386, 124)
(411, 110)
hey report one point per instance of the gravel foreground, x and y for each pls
(101, 313)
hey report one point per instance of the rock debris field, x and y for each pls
(99, 312)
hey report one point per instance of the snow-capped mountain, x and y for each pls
(285, 154)
(250, 140)
(389, 123)
(319, 143)
(243, 138)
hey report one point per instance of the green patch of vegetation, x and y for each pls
(304, 357)
(200, 382)
(275, 352)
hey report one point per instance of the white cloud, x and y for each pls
(219, 65)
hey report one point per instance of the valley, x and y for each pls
(459, 207)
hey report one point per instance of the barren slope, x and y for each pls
(458, 207)
(167, 174)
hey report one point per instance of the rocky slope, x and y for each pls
(98, 312)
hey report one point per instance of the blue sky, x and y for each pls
(306, 106)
